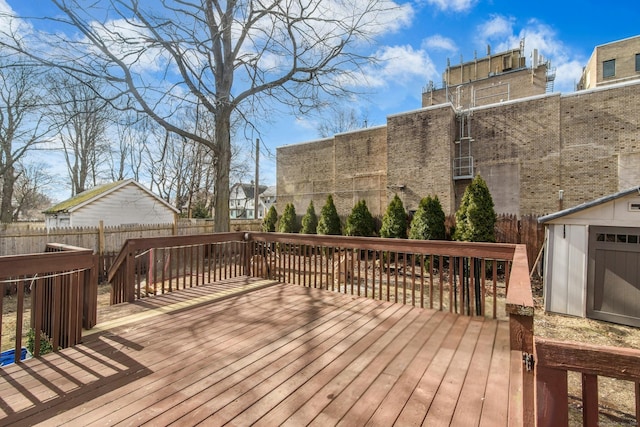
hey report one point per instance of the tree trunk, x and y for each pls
(6, 208)
(223, 145)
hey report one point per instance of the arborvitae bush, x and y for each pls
(288, 223)
(394, 222)
(200, 211)
(310, 220)
(428, 221)
(329, 222)
(269, 221)
(476, 217)
(360, 222)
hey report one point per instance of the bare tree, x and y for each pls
(341, 120)
(81, 117)
(21, 124)
(30, 198)
(220, 55)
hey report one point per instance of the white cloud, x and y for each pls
(453, 5)
(11, 26)
(439, 42)
(401, 65)
(497, 26)
(128, 41)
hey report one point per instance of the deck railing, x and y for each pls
(460, 277)
(158, 265)
(555, 358)
(475, 279)
(62, 287)
(466, 278)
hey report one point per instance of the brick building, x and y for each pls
(537, 150)
(611, 63)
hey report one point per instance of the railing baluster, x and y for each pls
(495, 288)
(366, 272)
(358, 278)
(473, 306)
(19, 319)
(589, 400)
(483, 273)
(637, 389)
(396, 273)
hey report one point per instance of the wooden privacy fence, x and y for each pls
(62, 286)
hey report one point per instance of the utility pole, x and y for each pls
(256, 191)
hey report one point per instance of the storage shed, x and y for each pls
(116, 203)
(592, 259)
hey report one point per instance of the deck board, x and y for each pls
(251, 352)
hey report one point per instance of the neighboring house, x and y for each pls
(242, 201)
(592, 259)
(268, 199)
(614, 62)
(116, 203)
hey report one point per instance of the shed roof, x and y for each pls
(587, 205)
(95, 193)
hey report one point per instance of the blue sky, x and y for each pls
(416, 51)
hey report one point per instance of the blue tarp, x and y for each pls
(8, 357)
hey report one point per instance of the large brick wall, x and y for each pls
(361, 170)
(515, 150)
(586, 144)
(419, 155)
(600, 142)
(305, 172)
(350, 166)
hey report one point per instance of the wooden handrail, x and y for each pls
(607, 361)
(555, 358)
(16, 265)
(503, 251)
(144, 243)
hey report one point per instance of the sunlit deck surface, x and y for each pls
(249, 351)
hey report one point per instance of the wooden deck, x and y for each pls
(250, 351)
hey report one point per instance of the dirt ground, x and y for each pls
(617, 398)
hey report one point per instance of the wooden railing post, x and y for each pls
(552, 397)
(521, 309)
(90, 303)
(130, 275)
(247, 253)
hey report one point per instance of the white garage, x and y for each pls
(592, 259)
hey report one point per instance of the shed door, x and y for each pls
(613, 287)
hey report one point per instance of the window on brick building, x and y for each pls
(637, 62)
(609, 68)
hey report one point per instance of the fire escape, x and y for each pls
(463, 159)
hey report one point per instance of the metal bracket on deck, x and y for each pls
(528, 361)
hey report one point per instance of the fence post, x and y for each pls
(101, 243)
